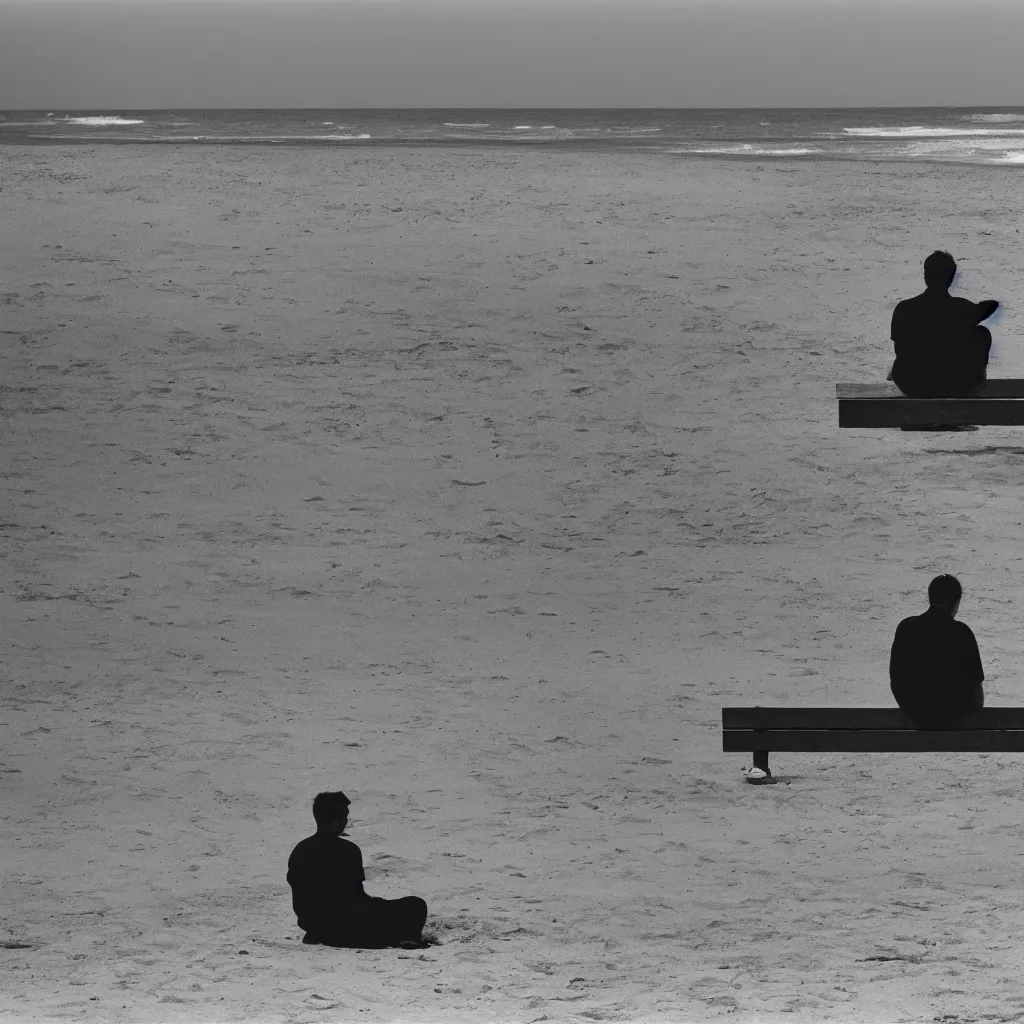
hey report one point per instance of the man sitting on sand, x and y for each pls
(941, 351)
(935, 668)
(326, 876)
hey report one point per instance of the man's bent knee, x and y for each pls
(417, 908)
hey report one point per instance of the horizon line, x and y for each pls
(857, 106)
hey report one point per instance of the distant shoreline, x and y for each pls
(549, 145)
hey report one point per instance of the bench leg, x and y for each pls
(761, 760)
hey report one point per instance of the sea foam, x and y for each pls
(102, 121)
(746, 149)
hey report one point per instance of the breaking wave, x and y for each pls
(921, 132)
(994, 118)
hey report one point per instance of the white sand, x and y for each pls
(475, 484)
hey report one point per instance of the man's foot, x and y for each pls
(758, 776)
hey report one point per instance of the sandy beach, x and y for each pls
(476, 484)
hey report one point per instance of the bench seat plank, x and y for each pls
(858, 718)
(872, 740)
(1008, 388)
(996, 403)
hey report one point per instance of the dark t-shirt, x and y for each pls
(935, 669)
(326, 876)
(938, 351)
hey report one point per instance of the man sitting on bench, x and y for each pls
(935, 668)
(941, 351)
(326, 876)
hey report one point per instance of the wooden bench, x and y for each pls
(997, 403)
(864, 730)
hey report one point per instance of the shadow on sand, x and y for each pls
(993, 449)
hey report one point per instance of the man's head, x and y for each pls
(939, 270)
(944, 592)
(331, 812)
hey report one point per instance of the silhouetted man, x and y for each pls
(941, 351)
(935, 668)
(326, 876)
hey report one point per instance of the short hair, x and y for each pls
(939, 269)
(944, 590)
(327, 806)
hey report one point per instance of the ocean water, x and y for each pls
(947, 134)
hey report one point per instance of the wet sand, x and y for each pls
(475, 484)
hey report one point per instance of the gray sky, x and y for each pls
(98, 54)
